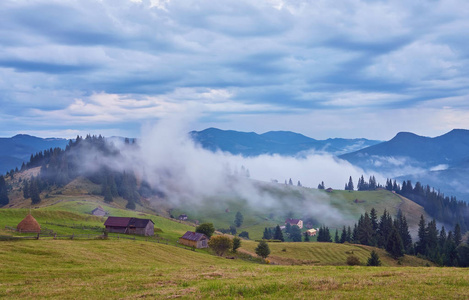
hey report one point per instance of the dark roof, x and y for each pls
(194, 236)
(139, 223)
(124, 222)
(292, 221)
(98, 208)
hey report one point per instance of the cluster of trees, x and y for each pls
(443, 248)
(273, 234)
(324, 234)
(447, 210)
(392, 235)
(4, 200)
(59, 167)
(362, 185)
(33, 188)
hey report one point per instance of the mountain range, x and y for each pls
(441, 162)
(18, 149)
(273, 142)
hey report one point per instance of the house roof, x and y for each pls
(139, 223)
(194, 236)
(117, 221)
(98, 208)
(292, 221)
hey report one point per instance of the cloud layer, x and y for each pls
(345, 69)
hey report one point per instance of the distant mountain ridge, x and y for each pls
(18, 149)
(441, 162)
(273, 142)
(449, 149)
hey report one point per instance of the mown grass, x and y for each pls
(133, 269)
(321, 254)
(75, 218)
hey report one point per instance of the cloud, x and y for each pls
(294, 57)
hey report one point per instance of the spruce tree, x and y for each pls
(422, 241)
(266, 235)
(457, 235)
(278, 235)
(336, 238)
(343, 236)
(374, 260)
(262, 249)
(239, 219)
(394, 244)
(295, 233)
(306, 237)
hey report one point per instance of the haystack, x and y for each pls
(29, 224)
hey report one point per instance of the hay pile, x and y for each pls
(29, 224)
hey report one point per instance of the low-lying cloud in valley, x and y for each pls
(189, 175)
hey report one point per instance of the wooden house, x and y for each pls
(194, 239)
(329, 190)
(98, 211)
(182, 217)
(130, 226)
(311, 232)
(296, 222)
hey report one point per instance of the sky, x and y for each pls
(348, 69)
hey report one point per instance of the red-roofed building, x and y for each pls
(130, 226)
(194, 239)
(296, 222)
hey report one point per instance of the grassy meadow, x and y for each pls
(125, 269)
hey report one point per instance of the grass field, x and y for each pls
(102, 269)
(327, 254)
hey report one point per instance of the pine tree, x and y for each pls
(278, 235)
(374, 260)
(266, 235)
(34, 191)
(421, 244)
(306, 237)
(394, 244)
(26, 190)
(457, 235)
(343, 236)
(336, 238)
(263, 249)
(239, 219)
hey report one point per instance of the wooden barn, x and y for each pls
(98, 211)
(194, 239)
(130, 226)
(29, 224)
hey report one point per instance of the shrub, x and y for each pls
(352, 260)
(220, 244)
(263, 249)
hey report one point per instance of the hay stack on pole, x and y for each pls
(29, 224)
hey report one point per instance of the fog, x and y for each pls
(170, 161)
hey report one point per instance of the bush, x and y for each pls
(263, 249)
(352, 260)
(236, 244)
(220, 244)
(244, 234)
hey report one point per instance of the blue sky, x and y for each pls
(322, 68)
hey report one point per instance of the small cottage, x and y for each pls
(311, 232)
(29, 224)
(296, 222)
(194, 239)
(130, 226)
(98, 211)
(329, 190)
(182, 217)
